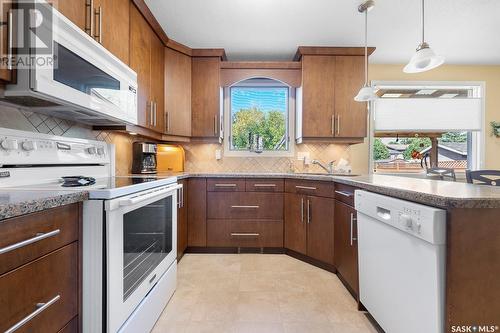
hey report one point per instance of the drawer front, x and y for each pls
(310, 187)
(226, 185)
(51, 280)
(245, 233)
(28, 237)
(345, 193)
(265, 185)
(245, 205)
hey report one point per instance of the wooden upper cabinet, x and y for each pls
(205, 98)
(75, 10)
(351, 116)
(177, 93)
(157, 82)
(326, 109)
(114, 32)
(140, 62)
(147, 60)
(5, 73)
(318, 96)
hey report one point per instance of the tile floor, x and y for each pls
(258, 293)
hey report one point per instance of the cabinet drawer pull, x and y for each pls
(302, 210)
(253, 207)
(264, 185)
(40, 308)
(225, 185)
(353, 219)
(245, 234)
(90, 29)
(345, 194)
(26, 242)
(306, 187)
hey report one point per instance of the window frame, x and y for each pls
(290, 119)
(477, 139)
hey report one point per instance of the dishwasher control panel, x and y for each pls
(424, 222)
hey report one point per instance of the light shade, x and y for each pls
(366, 94)
(423, 60)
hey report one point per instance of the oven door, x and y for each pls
(141, 244)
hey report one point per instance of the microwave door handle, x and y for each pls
(148, 195)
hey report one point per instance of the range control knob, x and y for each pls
(92, 150)
(100, 151)
(9, 144)
(28, 145)
(406, 221)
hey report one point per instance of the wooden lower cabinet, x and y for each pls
(245, 233)
(320, 229)
(182, 215)
(49, 279)
(197, 213)
(309, 226)
(44, 272)
(346, 246)
(295, 224)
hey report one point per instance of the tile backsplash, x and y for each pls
(199, 157)
(37, 122)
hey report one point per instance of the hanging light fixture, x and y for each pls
(424, 59)
(366, 93)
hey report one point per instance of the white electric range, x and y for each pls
(129, 225)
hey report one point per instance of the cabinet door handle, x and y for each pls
(225, 185)
(90, 18)
(215, 125)
(245, 234)
(245, 207)
(308, 211)
(264, 185)
(333, 125)
(302, 210)
(29, 241)
(353, 219)
(98, 13)
(10, 40)
(167, 122)
(305, 187)
(155, 107)
(343, 193)
(151, 113)
(40, 308)
(338, 125)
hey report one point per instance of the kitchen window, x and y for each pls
(417, 125)
(258, 118)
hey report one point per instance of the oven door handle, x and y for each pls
(149, 195)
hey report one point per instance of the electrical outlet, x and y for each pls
(218, 154)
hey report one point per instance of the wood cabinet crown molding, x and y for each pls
(148, 15)
(331, 50)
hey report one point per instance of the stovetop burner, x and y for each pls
(77, 181)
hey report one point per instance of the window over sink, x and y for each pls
(258, 118)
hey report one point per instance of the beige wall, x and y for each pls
(489, 74)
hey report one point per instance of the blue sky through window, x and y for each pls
(265, 99)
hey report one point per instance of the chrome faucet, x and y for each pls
(328, 168)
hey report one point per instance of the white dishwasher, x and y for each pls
(401, 249)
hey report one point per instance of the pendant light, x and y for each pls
(367, 93)
(424, 59)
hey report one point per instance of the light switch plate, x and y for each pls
(303, 156)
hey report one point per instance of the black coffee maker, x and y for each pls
(144, 154)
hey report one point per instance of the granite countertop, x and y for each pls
(443, 194)
(19, 202)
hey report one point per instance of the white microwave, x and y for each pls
(84, 83)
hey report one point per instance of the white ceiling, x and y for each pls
(464, 31)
